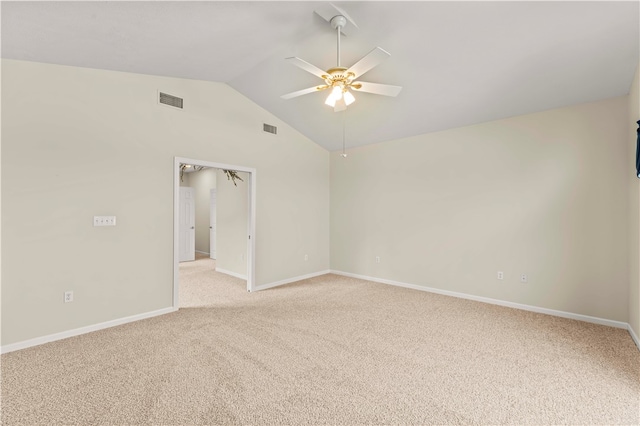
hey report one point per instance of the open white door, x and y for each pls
(212, 225)
(187, 226)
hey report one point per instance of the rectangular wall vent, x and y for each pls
(270, 129)
(170, 100)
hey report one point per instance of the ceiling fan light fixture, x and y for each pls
(340, 79)
(335, 95)
(348, 98)
(331, 101)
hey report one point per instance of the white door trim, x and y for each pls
(251, 231)
(213, 226)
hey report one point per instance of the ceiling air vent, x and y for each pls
(269, 128)
(170, 100)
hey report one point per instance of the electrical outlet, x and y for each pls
(242, 258)
(500, 275)
(68, 296)
(306, 257)
(377, 259)
(524, 278)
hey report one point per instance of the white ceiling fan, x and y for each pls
(341, 80)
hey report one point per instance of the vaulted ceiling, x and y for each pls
(459, 63)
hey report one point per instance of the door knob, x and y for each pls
(193, 227)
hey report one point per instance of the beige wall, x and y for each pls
(545, 194)
(232, 219)
(82, 134)
(542, 194)
(634, 208)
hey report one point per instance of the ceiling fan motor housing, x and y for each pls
(339, 77)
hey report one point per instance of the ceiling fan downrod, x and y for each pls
(338, 22)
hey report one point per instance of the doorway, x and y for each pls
(250, 255)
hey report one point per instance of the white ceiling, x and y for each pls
(459, 63)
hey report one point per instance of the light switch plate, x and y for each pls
(104, 221)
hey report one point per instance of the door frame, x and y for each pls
(213, 213)
(251, 225)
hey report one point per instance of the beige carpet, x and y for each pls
(329, 350)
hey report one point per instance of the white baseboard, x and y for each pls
(108, 324)
(82, 330)
(233, 274)
(291, 280)
(202, 252)
(634, 336)
(569, 315)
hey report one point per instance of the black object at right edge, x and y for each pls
(638, 152)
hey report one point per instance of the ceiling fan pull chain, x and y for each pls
(344, 125)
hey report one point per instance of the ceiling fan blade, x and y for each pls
(303, 92)
(378, 89)
(370, 60)
(307, 66)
